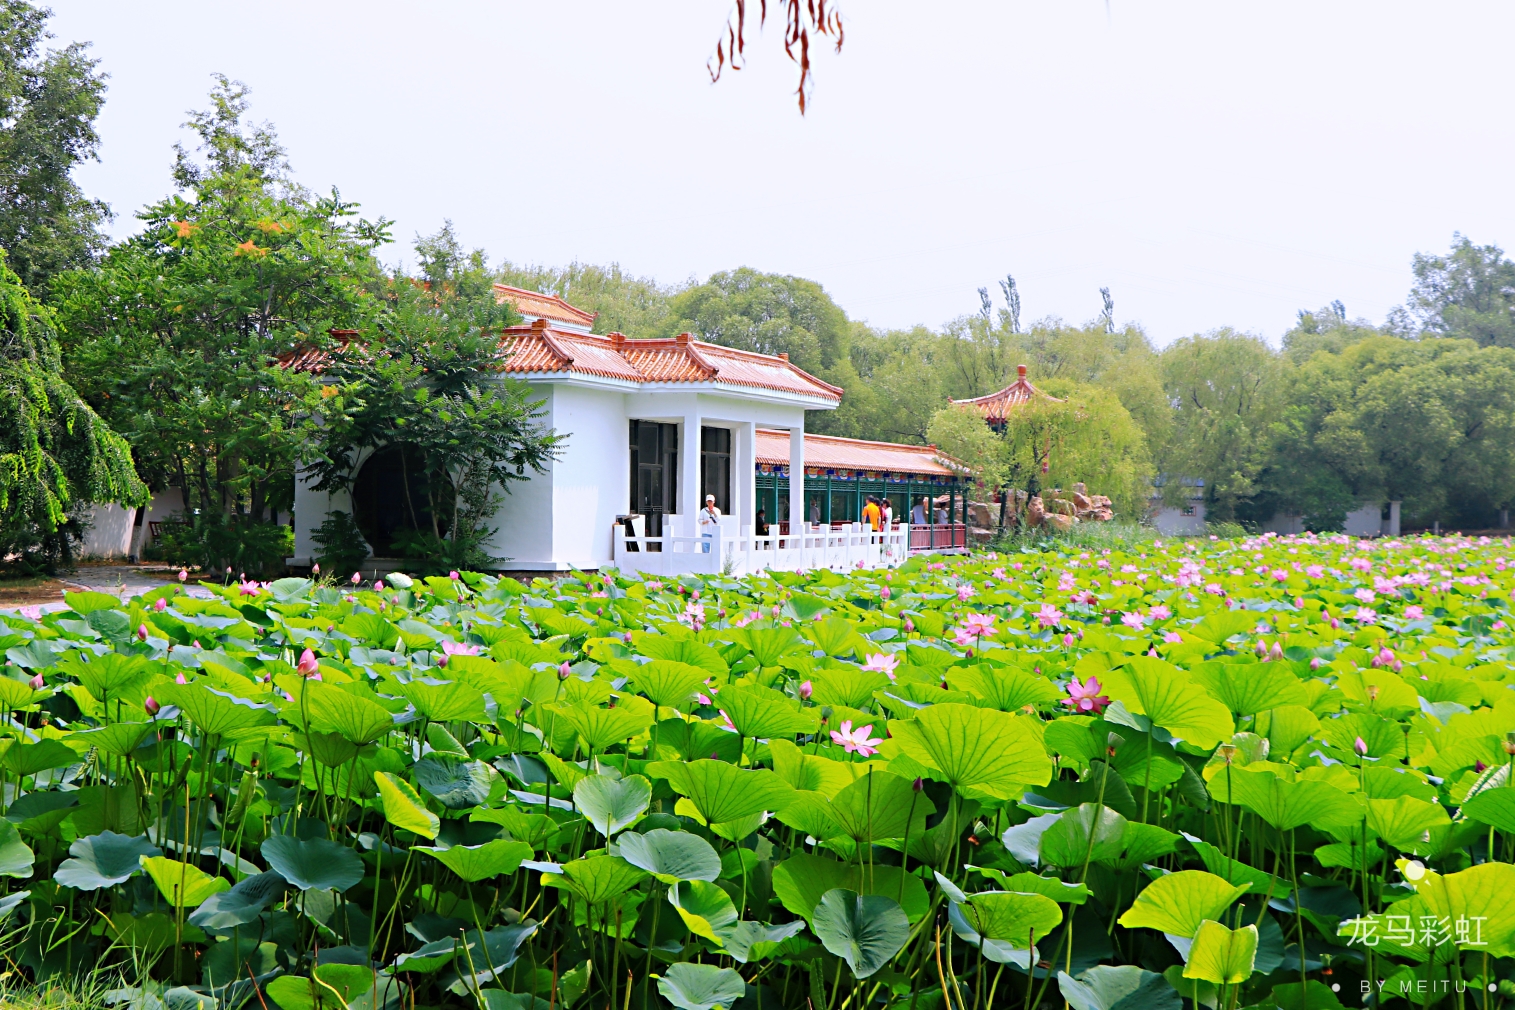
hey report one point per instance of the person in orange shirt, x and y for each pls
(872, 514)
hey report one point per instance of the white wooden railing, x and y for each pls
(727, 548)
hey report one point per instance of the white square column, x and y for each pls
(797, 478)
(689, 469)
(744, 473)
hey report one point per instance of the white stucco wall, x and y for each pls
(1171, 522)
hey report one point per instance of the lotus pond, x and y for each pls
(1272, 772)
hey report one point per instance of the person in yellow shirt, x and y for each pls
(872, 514)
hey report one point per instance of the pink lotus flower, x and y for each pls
(1280, 575)
(179, 679)
(1085, 697)
(856, 741)
(1159, 613)
(1173, 638)
(37, 683)
(160, 604)
(727, 724)
(704, 699)
(999, 573)
(308, 666)
(1365, 595)
(247, 589)
(979, 624)
(378, 586)
(963, 594)
(1048, 616)
(1366, 615)
(1133, 620)
(183, 575)
(1315, 571)
(882, 662)
(1068, 641)
(1215, 589)
(1414, 612)
(32, 613)
(453, 576)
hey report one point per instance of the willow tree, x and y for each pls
(56, 455)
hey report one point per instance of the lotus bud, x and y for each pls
(1277, 652)
(919, 784)
(183, 575)
(151, 705)
(1360, 746)
(315, 569)
(1480, 767)
(179, 679)
(308, 664)
(806, 689)
(564, 670)
(378, 586)
(453, 576)
(442, 660)
(1316, 663)
(909, 626)
(160, 604)
(141, 632)
(37, 683)
(357, 577)
(884, 593)
(721, 613)
(776, 610)
(1261, 648)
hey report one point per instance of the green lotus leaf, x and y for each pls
(501, 948)
(978, 751)
(850, 686)
(767, 645)
(371, 629)
(671, 856)
(705, 908)
(596, 879)
(104, 860)
(183, 885)
(749, 941)
(480, 862)
(865, 930)
(1482, 895)
(40, 813)
(691, 986)
(404, 808)
(800, 881)
(337, 987)
(1007, 688)
(445, 702)
(1283, 804)
(1221, 955)
(761, 712)
(16, 857)
(1178, 902)
(810, 772)
(1404, 821)
(433, 956)
(666, 683)
(313, 862)
(721, 792)
(610, 804)
(458, 784)
(119, 739)
(242, 904)
(213, 712)
(1250, 688)
(1019, 920)
(1494, 807)
(1128, 986)
(1027, 882)
(30, 758)
(109, 676)
(1163, 693)
(331, 709)
(1087, 832)
(602, 727)
(881, 805)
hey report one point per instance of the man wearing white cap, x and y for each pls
(709, 518)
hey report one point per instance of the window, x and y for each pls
(654, 472)
(715, 467)
(1188, 510)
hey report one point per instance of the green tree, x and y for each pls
(49, 100)
(635, 306)
(1085, 436)
(1428, 422)
(773, 314)
(1226, 390)
(1468, 293)
(1327, 329)
(427, 380)
(56, 455)
(175, 336)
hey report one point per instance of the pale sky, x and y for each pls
(1213, 163)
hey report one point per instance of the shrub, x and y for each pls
(343, 548)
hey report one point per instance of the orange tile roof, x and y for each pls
(831, 452)
(536, 305)
(996, 406)
(539, 348)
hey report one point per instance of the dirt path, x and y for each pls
(124, 581)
